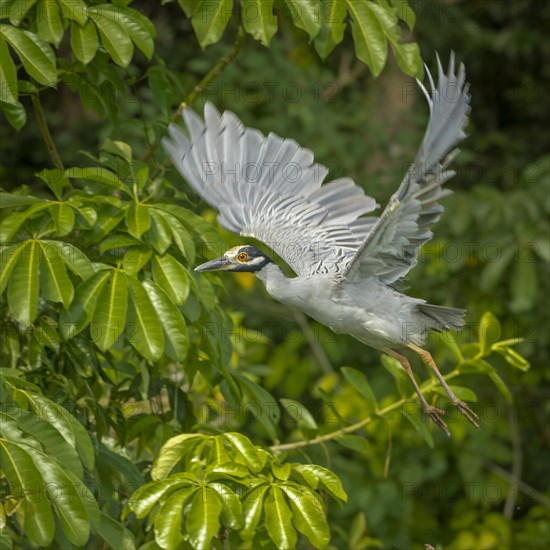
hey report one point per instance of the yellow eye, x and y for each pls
(242, 256)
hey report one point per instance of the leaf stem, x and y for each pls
(358, 425)
(213, 73)
(45, 131)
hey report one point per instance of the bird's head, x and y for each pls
(239, 258)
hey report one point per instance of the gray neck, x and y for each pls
(273, 278)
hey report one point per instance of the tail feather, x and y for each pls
(442, 318)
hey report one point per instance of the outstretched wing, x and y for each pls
(270, 188)
(391, 248)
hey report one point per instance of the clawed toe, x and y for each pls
(465, 411)
(435, 414)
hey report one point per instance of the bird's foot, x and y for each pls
(436, 415)
(466, 412)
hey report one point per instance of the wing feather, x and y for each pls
(391, 247)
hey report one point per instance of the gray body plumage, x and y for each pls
(346, 263)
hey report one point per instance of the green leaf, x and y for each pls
(370, 43)
(305, 15)
(75, 10)
(258, 19)
(172, 277)
(308, 515)
(299, 414)
(502, 387)
(393, 366)
(169, 518)
(359, 381)
(465, 394)
(21, 472)
(15, 114)
(513, 358)
(405, 12)
(97, 173)
(23, 284)
(18, 10)
(489, 332)
(49, 22)
(74, 258)
(172, 452)
(138, 219)
(119, 149)
(114, 36)
(188, 6)
(9, 256)
(10, 224)
(84, 41)
(83, 306)
(35, 54)
(278, 520)
(138, 27)
(135, 258)
(114, 533)
(252, 510)
(54, 280)
(110, 313)
(354, 442)
(144, 499)
(267, 411)
(161, 232)
(63, 217)
(329, 481)
(202, 520)
(182, 239)
(54, 179)
(420, 425)
(246, 450)
(333, 14)
(144, 330)
(210, 19)
(232, 513)
(173, 323)
(524, 283)
(477, 366)
(8, 76)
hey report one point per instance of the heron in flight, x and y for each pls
(347, 262)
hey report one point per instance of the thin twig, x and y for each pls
(213, 73)
(318, 351)
(358, 425)
(45, 131)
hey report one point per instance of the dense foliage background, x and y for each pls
(145, 406)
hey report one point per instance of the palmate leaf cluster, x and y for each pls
(135, 412)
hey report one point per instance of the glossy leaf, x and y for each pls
(210, 19)
(143, 330)
(169, 518)
(114, 533)
(35, 54)
(73, 257)
(54, 281)
(232, 513)
(138, 219)
(317, 475)
(305, 14)
(299, 414)
(245, 449)
(84, 41)
(172, 277)
(308, 515)
(8, 76)
(9, 256)
(135, 259)
(83, 306)
(333, 14)
(49, 21)
(161, 232)
(175, 330)
(113, 35)
(359, 381)
(202, 520)
(258, 19)
(370, 43)
(171, 453)
(23, 284)
(489, 332)
(252, 510)
(63, 217)
(75, 10)
(18, 10)
(278, 520)
(109, 318)
(96, 173)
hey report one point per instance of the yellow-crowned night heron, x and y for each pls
(347, 264)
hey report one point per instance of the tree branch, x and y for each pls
(45, 131)
(358, 425)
